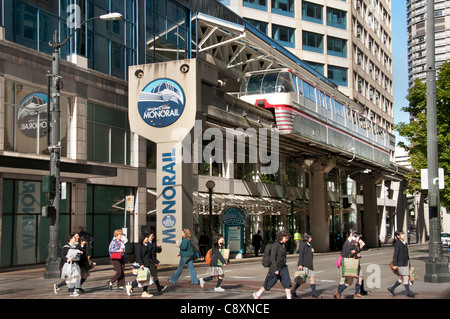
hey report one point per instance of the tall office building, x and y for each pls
(350, 42)
(416, 20)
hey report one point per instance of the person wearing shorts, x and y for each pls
(278, 270)
(305, 263)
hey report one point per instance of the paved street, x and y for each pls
(242, 278)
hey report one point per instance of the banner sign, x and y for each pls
(162, 108)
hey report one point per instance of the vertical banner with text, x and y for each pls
(162, 108)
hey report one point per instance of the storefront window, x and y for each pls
(105, 212)
(25, 233)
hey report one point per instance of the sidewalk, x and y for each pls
(13, 280)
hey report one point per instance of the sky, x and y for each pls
(400, 63)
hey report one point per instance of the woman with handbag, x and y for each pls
(305, 264)
(215, 267)
(117, 255)
(186, 258)
(350, 250)
(400, 263)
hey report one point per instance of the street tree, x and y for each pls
(415, 132)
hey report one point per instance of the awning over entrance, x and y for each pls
(252, 204)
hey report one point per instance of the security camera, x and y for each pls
(139, 73)
(184, 68)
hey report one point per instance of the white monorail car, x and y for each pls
(304, 108)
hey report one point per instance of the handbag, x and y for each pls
(339, 261)
(142, 275)
(117, 255)
(300, 277)
(350, 267)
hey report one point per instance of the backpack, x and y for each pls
(266, 258)
(208, 257)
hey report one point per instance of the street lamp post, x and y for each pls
(292, 199)
(210, 186)
(436, 267)
(52, 269)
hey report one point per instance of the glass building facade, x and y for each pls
(150, 31)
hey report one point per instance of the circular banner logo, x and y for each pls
(161, 102)
(32, 115)
(169, 221)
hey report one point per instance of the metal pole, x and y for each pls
(436, 267)
(210, 216)
(53, 263)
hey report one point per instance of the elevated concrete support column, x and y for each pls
(421, 229)
(318, 203)
(402, 207)
(370, 219)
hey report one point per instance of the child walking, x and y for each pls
(400, 262)
(305, 263)
(215, 267)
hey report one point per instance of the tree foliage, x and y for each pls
(415, 132)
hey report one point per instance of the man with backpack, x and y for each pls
(275, 259)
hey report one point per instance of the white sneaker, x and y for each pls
(146, 295)
(74, 294)
(128, 289)
(55, 288)
(202, 282)
(219, 289)
(255, 295)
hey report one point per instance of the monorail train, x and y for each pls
(304, 108)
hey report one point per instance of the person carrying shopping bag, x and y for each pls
(71, 271)
(305, 264)
(350, 264)
(186, 258)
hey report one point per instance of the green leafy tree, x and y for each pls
(415, 132)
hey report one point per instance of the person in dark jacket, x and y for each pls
(278, 269)
(215, 268)
(400, 263)
(153, 261)
(305, 263)
(350, 249)
(143, 259)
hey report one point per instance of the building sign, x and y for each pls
(32, 115)
(162, 108)
(161, 103)
(235, 220)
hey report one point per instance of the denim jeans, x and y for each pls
(192, 273)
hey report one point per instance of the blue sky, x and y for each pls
(400, 63)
